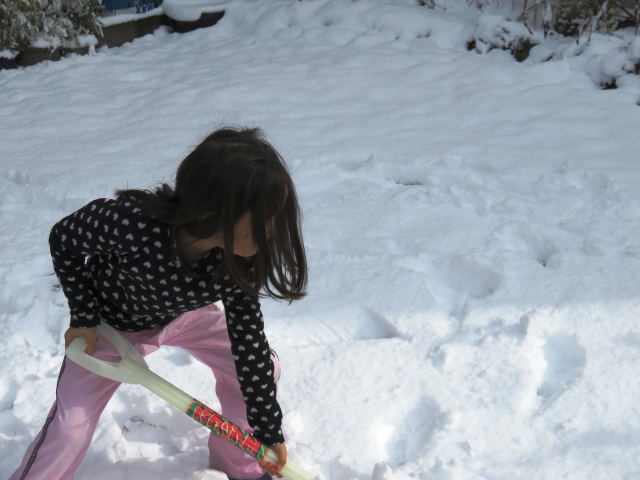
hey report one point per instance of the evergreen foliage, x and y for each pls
(46, 23)
(84, 16)
(18, 23)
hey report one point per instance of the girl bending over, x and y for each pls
(151, 263)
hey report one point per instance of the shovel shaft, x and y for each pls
(133, 369)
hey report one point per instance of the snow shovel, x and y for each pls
(133, 369)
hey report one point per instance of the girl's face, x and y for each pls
(243, 245)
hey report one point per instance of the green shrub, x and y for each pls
(46, 22)
(18, 23)
(84, 16)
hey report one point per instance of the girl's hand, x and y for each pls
(270, 468)
(89, 334)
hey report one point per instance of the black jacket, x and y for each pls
(116, 264)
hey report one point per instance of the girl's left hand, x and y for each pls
(270, 468)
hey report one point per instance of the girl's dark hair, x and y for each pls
(232, 172)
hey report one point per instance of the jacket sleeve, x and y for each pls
(254, 366)
(92, 230)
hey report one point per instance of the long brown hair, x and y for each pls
(232, 172)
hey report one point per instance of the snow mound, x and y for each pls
(495, 31)
(622, 61)
(191, 10)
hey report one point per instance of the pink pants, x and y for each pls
(58, 449)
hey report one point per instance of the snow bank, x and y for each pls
(9, 54)
(191, 10)
(610, 60)
(494, 31)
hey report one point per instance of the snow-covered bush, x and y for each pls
(543, 30)
(573, 17)
(53, 26)
(494, 31)
(84, 18)
(47, 23)
(18, 25)
(619, 62)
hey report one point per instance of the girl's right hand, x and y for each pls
(89, 334)
(274, 470)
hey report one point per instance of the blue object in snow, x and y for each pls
(126, 6)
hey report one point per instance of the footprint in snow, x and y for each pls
(339, 469)
(8, 393)
(420, 427)
(376, 326)
(178, 357)
(519, 238)
(451, 281)
(350, 323)
(34, 190)
(467, 275)
(363, 324)
(149, 439)
(565, 359)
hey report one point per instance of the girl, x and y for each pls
(151, 264)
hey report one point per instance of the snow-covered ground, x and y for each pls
(473, 231)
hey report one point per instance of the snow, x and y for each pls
(8, 54)
(41, 42)
(495, 31)
(82, 41)
(472, 227)
(191, 10)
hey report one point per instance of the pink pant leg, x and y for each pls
(57, 451)
(203, 333)
(81, 396)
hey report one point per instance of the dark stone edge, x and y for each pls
(113, 36)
